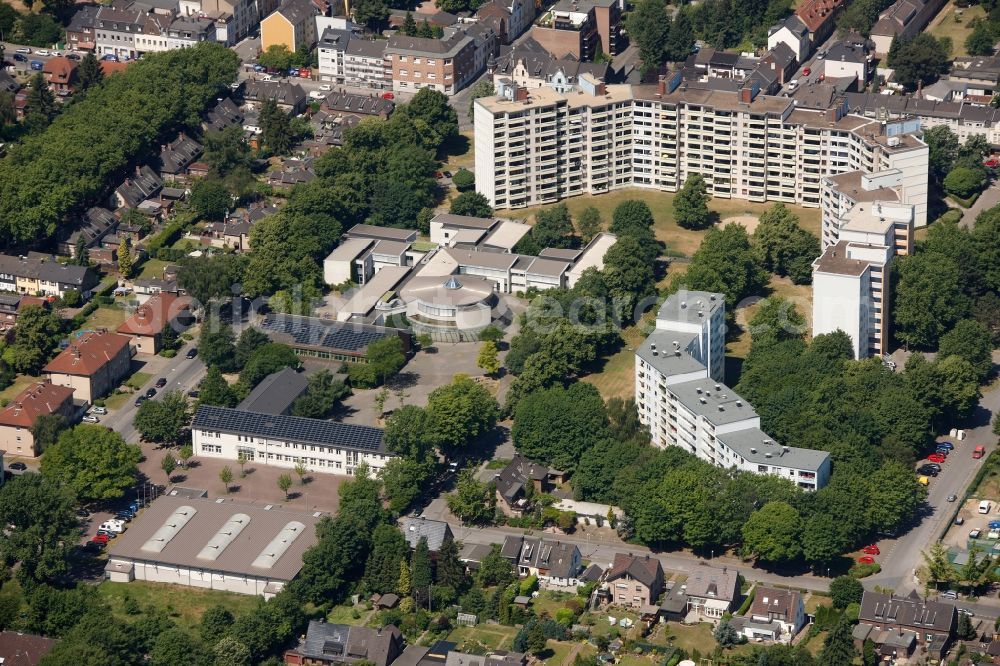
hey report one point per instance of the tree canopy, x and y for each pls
(95, 462)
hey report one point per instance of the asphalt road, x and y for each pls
(182, 374)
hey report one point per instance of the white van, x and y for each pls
(116, 526)
(984, 507)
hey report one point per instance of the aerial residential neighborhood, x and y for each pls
(507, 333)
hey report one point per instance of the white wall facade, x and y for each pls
(191, 577)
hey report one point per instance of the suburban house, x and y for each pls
(13, 305)
(897, 625)
(42, 275)
(60, 74)
(292, 25)
(146, 324)
(93, 364)
(20, 414)
(775, 615)
(436, 532)
(557, 565)
(345, 644)
(290, 97)
(904, 18)
(143, 185)
(633, 581)
(177, 156)
(712, 592)
(513, 481)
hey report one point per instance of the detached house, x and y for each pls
(897, 625)
(436, 532)
(633, 581)
(290, 97)
(712, 592)
(20, 414)
(557, 565)
(326, 644)
(775, 615)
(514, 479)
(146, 324)
(60, 74)
(93, 364)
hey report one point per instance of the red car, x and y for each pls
(866, 559)
(806, 72)
(872, 550)
(388, 96)
(936, 458)
(101, 538)
(979, 452)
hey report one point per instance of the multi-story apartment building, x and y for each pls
(578, 28)
(127, 30)
(292, 25)
(446, 65)
(364, 64)
(330, 54)
(234, 19)
(285, 441)
(681, 398)
(539, 146)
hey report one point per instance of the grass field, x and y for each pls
(493, 636)
(462, 155)
(138, 379)
(153, 268)
(558, 652)
(957, 30)
(184, 604)
(661, 203)
(105, 317)
(615, 376)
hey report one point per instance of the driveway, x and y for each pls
(989, 198)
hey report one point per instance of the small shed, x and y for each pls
(467, 619)
(522, 601)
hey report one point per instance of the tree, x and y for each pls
(163, 421)
(450, 571)
(553, 228)
(631, 217)
(483, 88)
(46, 429)
(981, 40)
(284, 483)
(691, 204)
(386, 357)
(556, 426)
(175, 646)
(89, 73)
(216, 345)
(919, 60)
(168, 464)
(472, 204)
(210, 199)
(403, 587)
(965, 630)
(939, 569)
(125, 257)
(536, 639)
(266, 360)
(409, 27)
(649, 26)
(301, 471)
(724, 263)
(783, 247)
(972, 341)
(227, 151)
(589, 223)
(929, 299)
(472, 502)
(371, 13)
(389, 549)
(215, 390)
(435, 121)
(226, 476)
(942, 149)
(40, 105)
(725, 634)
(404, 480)
(96, 463)
(210, 278)
(276, 128)
(963, 181)
(838, 646)
(460, 412)
(407, 433)
(36, 335)
(184, 455)
(421, 571)
(40, 526)
(846, 590)
(320, 397)
(276, 56)
(464, 179)
(231, 652)
(629, 277)
(487, 360)
(772, 533)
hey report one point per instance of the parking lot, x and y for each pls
(958, 536)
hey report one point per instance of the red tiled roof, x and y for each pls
(32, 402)
(814, 13)
(88, 354)
(59, 69)
(150, 317)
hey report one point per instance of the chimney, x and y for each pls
(661, 85)
(520, 94)
(746, 95)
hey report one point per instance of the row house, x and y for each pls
(135, 189)
(177, 156)
(42, 275)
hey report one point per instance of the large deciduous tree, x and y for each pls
(40, 526)
(95, 462)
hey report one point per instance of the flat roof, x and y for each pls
(490, 260)
(593, 255)
(559, 253)
(835, 260)
(665, 361)
(718, 406)
(756, 446)
(465, 221)
(381, 233)
(367, 297)
(289, 428)
(850, 184)
(550, 267)
(349, 249)
(205, 520)
(684, 305)
(507, 234)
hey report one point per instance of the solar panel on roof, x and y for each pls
(334, 335)
(291, 428)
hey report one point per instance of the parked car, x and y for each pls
(99, 410)
(73, 56)
(101, 539)
(110, 57)
(24, 49)
(931, 469)
(871, 550)
(42, 52)
(326, 87)
(946, 445)
(17, 467)
(20, 57)
(37, 65)
(936, 458)
(959, 520)
(316, 94)
(141, 399)
(90, 418)
(112, 525)
(191, 353)
(388, 96)
(952, 497)
(866, 559)
(974, 534)
(924, 481)
(979, 452)
(106, 533)
(949, 594)
(161, 382)
(807, 71)
(994, 525)
(94, 546)
(150, 392)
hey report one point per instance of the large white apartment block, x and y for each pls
(681, 398)
(539, 146)
(285, 441)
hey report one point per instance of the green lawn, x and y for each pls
(138, 380)
(184, 604)
(957, 30)
(661, 204)
(117, 400)
(105, 317)
(462, 155)
(548, 602)
(558, 650)
(153, 268)
(814, 601)
(345, 615)
(20, 383)
(493, 636)
(615, 376)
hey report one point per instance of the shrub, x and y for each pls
(864, 570)
(528, 585)
(464, 180)
(362, 375)
(168, 353)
